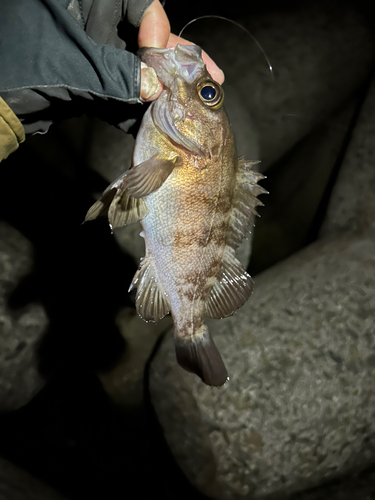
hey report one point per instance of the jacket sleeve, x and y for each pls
(11, 131)
(47, 61)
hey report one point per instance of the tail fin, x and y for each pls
(200, 356)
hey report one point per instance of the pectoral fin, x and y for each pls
(122, 201)
(100, 208)
(118, 205)
(231, 289)
(151, 302)
(148, 176)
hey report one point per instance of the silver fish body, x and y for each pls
(195, 199)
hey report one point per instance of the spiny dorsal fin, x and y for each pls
(244, 201)
(123, 200)
(231, 289)
(151, 301)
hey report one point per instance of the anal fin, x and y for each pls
(231, 289)
(151, 301)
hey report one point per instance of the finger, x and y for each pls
(154, 29)
(212, 68)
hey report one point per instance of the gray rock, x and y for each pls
(300, 405)
(352, 204)
(21, 330)
(16, 484)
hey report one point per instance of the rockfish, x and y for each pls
(194, 199)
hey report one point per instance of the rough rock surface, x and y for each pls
(300, 405)
(16, 484)
(20, 330)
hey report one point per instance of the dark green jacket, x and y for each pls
(62, 57)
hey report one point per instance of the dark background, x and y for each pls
(71, 435)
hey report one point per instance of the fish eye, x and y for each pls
(211, 94)
(208, 92)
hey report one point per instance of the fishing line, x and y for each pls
(239, 26)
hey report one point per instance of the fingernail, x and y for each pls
(149, 81)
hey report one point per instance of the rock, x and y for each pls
(16, 484)
(300, 405)
(352, 204)
(20, 330)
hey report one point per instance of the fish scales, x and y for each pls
(187, 246)
(195, 200)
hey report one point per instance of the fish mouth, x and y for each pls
(180, 63)
(183, 60)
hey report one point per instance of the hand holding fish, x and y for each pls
(59, 59)
(154, 31)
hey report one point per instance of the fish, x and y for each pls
(195, 199)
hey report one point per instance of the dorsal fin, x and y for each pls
(244, 201)
(231, 289)
(151, 301)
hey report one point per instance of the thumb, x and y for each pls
(154, 29)
(150, 85)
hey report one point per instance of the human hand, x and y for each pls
(154, 31)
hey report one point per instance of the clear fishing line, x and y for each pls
(238, 26)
